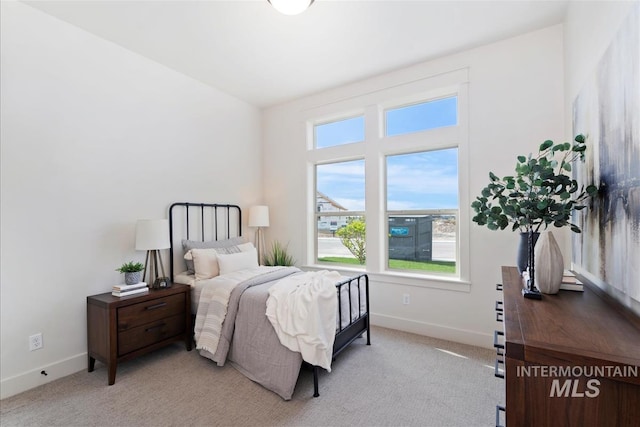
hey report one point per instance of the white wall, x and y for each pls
(516, 101)
(93, 138)
(589, 30)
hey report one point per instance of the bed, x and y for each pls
(235, 301)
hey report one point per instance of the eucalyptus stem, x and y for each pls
(541, 193)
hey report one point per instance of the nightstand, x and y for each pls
(120, 329)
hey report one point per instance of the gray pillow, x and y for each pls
(227, 246)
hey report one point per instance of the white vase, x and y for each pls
(549, 264)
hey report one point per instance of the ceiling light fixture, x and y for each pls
(291, 7)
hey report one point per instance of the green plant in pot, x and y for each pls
(278, 255)
(132, 272)
(539, 194)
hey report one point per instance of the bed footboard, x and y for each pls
(353, 320)
(352, 323)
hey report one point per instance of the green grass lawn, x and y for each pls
(397, 264)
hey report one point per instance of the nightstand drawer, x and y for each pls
(120, 329)
(151, 333)
(145, 312)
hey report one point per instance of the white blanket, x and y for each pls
(219, 301)
(212, 307)
(302, 309)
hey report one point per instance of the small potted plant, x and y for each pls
(132, 272)
(278, 256)
(538, 195)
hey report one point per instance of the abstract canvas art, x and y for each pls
(607, 112)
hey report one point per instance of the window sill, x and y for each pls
(401, 278)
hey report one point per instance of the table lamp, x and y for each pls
(259, 217)
(151, 236)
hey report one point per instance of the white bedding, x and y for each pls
(187, 278)
(303, 311)
(197, 285)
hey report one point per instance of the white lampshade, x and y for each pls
(290, 7)
(259, 216)
(152, 234)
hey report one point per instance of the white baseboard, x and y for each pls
(34, 378)
(462, 336)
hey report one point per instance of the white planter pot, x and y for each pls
(549, 264)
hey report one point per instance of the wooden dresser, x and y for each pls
(571, 359)
(119, 329)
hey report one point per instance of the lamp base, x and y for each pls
(161, 283)
(154, 263)
(260, 246)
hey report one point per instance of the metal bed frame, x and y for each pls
(212, 233)
(358, 323)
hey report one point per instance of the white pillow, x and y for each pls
(226, 246)
(245, 247)
(205, 263)
(228, 263)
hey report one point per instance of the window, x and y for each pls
(339, 132)
(338, 214)
(422, 208)
(423, 116)
(410, 171)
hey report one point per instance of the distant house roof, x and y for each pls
(329, 200)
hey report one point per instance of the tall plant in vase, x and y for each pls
(539, 194)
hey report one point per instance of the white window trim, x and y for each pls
(375, 149)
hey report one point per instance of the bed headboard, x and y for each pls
(201, 221)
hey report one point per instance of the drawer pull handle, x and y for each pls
(162, 325)
(499, 306)
(496, 334)
(499, 372)
(498, 286)
(499, 409)
(153, 307)
(499, 316)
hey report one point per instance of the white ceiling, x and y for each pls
(247, 49)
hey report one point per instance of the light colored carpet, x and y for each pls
(400, 380)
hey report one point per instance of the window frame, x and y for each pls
(374, 150)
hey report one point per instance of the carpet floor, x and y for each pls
(402, 379)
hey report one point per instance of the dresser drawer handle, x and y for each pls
(162, 325)
(499, 306)
(153, 307)
(499, 409)
(499, 316)
(497, 334)
(499, 372)
(498, 286)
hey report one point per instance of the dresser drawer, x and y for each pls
(150, 333)
(149, 311)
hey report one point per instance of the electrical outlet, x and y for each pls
(405, 299)
(35, 342)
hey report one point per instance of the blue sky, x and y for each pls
(426, 180)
